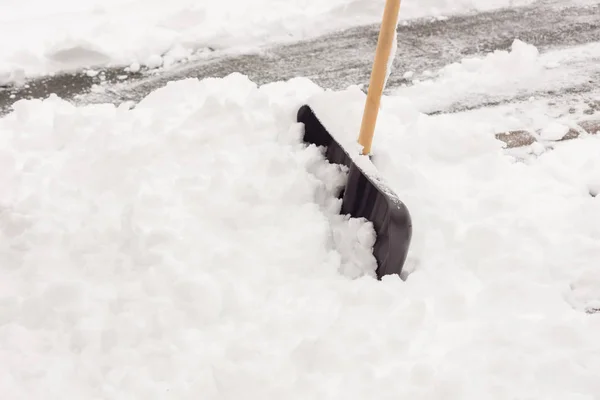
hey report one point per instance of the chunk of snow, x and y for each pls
(554, 131)
(408, 75)
(176, 54)
(97, 88)
(134, 67)
(154, 61)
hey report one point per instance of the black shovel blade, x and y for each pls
(366, 197)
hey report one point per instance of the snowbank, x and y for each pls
(501, 75)
(39, 37)
(190, 247)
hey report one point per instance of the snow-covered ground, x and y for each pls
(39, 37)
(512, 80)
(191, 248)
(518, 83)
(503, 75)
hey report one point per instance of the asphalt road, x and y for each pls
(338, 60)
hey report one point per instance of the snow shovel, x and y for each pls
(365, 195)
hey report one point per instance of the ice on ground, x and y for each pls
(39, 37)
(190, 247)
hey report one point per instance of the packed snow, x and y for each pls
(39, 37)
(190, 247)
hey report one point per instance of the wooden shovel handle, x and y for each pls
(378, 74)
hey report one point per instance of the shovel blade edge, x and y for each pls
(366, 197)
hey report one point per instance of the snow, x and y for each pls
(38, 37)
(525, 116)
(554, 131)
(504, 74)
(190, 247)
(392, 56)
(135, 67)
(393, 50)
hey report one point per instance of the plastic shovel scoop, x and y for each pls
(366, 195)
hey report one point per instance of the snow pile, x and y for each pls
(39, 37)
(190, 247)
(126, 234)
(501, 75)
